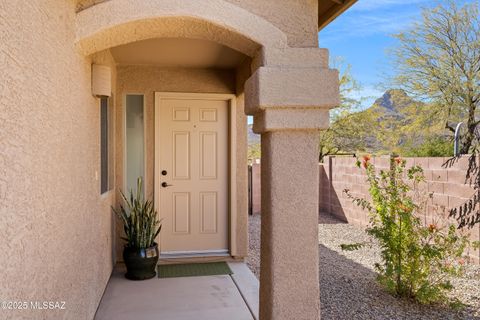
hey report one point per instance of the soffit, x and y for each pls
(178, 52)
(328, 10)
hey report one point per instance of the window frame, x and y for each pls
(125, 139)
(104, 145)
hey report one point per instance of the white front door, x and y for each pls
(192, 174)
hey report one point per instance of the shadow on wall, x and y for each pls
(256, 187)
(348, 290)
(329, 200)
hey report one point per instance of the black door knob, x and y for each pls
(164, 185)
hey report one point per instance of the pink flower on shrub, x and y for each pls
(366, 160)
(404, 208)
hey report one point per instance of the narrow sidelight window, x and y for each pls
(135, 157)
(104, 185)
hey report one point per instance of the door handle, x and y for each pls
(164, 185)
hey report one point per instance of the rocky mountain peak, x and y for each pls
(393, 100)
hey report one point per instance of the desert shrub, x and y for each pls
(254, 151)
(433, 146)
(417, 260)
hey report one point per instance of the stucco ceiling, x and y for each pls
(328, 10)
(176, 52)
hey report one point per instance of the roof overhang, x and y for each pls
(328, 10)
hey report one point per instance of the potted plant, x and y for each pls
(141, 226)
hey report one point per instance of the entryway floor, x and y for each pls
(222, 297)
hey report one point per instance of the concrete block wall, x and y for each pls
(447, 186)
(256, 188)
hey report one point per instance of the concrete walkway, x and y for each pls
(232, 297)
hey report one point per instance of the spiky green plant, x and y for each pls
(139, 218)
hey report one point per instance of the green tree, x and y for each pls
(254, 151)
(438, 59)
(344, 133)
(431, 146)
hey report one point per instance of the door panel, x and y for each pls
(208, 212)
(208, 155)
(193, 150)
(181, 155)
(181, 212)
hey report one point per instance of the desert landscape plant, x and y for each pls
(417, 260)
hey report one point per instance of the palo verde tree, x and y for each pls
(438, 59)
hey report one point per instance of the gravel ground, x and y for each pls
(348, 288)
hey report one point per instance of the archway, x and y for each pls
(118, 22)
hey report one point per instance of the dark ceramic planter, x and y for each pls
(141, 262)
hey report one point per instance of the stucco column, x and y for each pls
(290, 103)
(289, 286)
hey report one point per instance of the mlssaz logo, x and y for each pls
(47, 305)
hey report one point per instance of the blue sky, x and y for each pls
(363, 35)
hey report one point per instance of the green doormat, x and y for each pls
(193, 269)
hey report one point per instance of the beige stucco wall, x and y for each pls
(55, 228)
(297, 19)
(242, 73)
(147, 80)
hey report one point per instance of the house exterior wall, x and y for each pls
(289, 92)
(297, 19)
(56, 230)
(55, 227)
(147, 80)
(242, 73)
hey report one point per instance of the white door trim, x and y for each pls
(194, 254)
(232, 154)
